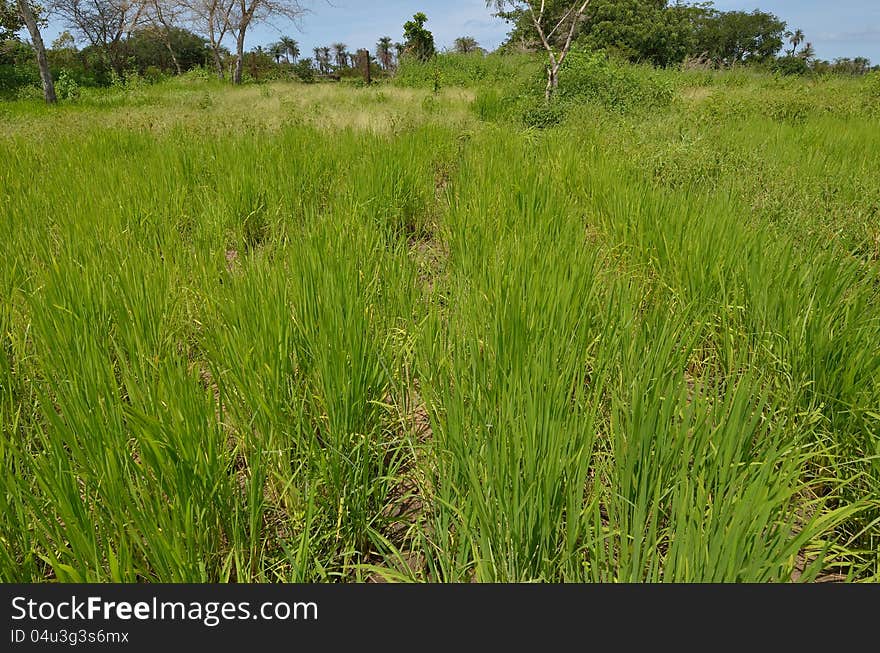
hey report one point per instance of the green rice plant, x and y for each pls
(311, 336)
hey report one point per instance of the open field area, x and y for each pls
(291, 332)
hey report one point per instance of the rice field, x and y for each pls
(293, 333)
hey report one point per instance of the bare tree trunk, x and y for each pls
(215, 48)
(174, 59)
(166, 26)
(574, 13)
(239, 56)
(170, 49)
(552, 82)
(45, 74)
(218, 62)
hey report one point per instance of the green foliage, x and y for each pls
(418, 40)
(490, 105)
(639, 31)
(658, 32)
(640, 346)
(871, 93)
(10, 20)
(619, 87)
(384, 52)
(146, 48)
(66, 87)
(18, 66)
(467, 70)
(304, 70)
(540, 114)
(735, 37)
(842, 66)
(791, 65)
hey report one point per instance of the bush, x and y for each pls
(791, 66)
(620, 87)
(304, 71)
(31, 92)
(790, 109)
(67, 87)
(18, 66)
(153, 74)
(541, 115)
(871, 93)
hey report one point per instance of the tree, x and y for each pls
(650, 31)
(466, 45)
(277, 51)
(250, 12)
(555, 25)
(290, 48)
(808, 53)
(164, 16)
(304, 70)
(340, 55)
(322, 60)
(383, 52)
(29, 18)
(104, 23)
(795, 38)
(10, 20)
(174, 50)
(211, 19)
(65, 41)
(419, 42)
(737, 37)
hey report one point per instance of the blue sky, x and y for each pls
(836, 28)
(843, 28)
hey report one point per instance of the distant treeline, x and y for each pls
(667, 33)
(647, 31)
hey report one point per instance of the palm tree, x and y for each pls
(317, 51)
(325, 59)
(341, 55)
(277, 51)
(290, 47)
(383, 52)
(795, 38)
(808, 53)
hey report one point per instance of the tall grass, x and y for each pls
(441, 351)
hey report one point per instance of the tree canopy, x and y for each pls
(10, 20)
(656, 31)
(419, 41)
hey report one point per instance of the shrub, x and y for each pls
(791, 66)
(14, 76)
(67, 87)
(153, 74)
(542, 115)
(790, 109)
(871, 93)
(30, 92)
(304, 71)
(617, 86)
